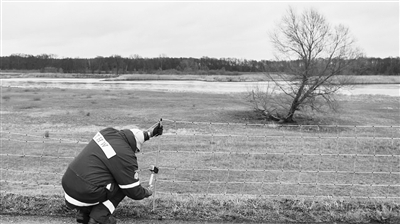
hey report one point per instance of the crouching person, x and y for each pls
(104, 172)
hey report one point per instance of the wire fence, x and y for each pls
(229, 159)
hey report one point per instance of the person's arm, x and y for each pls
(126, 174)
(124, 169)
(134, 190)
(155, 130)
(140, 136)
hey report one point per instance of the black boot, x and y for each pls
(92, 221)
(82, 215)
(110, 220)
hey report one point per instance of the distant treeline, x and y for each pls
(205, 65)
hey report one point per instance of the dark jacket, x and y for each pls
(107, 162)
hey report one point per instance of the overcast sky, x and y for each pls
(218, 29)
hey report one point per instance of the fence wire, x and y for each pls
(230, 159)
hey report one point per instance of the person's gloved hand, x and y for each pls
(149, 192)
(156, 129)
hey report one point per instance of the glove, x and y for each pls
(149, 192)
(156, 129)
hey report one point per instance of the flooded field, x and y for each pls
(181, 86)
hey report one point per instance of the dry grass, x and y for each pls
(375, 79)
(188, 152)
(232, 210)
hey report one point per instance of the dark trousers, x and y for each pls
(101, 212)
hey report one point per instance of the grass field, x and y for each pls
(240, 157)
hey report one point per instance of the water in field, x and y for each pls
(181, 86)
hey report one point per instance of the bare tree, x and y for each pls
(314, 55)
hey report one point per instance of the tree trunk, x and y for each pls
(289, 117)
(296, 102)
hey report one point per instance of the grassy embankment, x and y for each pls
(78, 114)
